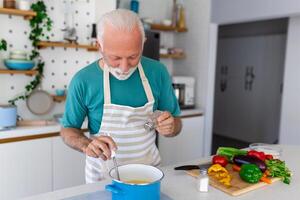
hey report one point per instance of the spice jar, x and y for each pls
(203, 181)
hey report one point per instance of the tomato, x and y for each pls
(220, 160)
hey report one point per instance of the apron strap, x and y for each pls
(106, 86)
(146, 85)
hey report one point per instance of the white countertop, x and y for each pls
(178, 185)
(21, 131)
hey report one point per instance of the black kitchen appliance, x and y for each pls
(152, 44)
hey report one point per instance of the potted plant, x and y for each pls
(40, 25)
(3, 47)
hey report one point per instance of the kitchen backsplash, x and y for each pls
(60, 63)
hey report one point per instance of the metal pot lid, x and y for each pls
(39, 102)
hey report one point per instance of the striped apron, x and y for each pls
(125, 125)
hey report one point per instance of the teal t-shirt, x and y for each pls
(86, 98)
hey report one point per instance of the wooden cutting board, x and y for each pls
(238, 186)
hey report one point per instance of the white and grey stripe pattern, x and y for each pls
(125, 125)
(132, 139)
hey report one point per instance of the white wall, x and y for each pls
(290, 113)
(233, 11)
(102, 6)
(195, 43)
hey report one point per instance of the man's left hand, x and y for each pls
(165, 124)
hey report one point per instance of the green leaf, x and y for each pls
(38, 24)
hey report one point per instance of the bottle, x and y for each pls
(134, 6)
(94, 35)
(174, 14)
(203, 181)
(181, 24)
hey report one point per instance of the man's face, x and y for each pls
(122, 49)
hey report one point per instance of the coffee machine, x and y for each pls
(184, 87)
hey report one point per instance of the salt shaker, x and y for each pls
(151, 123)
(203, 181)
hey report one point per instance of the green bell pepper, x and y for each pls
(230, 152)
(250, 173)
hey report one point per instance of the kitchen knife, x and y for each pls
(190, 167)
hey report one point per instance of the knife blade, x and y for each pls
(191, 167)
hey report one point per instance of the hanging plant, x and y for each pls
(3, 45)
(39, 24)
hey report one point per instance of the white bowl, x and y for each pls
(18, 52)
(271, 149)
(18, 57)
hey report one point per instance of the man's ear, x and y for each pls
(98, 45)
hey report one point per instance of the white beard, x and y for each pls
(118, 74)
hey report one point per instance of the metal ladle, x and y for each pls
(113, 156)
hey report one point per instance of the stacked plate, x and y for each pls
(18, 61)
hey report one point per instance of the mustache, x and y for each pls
(119, 71)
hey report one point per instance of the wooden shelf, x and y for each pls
(46, 44)
(59, 98)
(161, 27)
(26, 14)
(26, 72)
(173, 56)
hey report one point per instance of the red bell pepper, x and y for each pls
(257, 154)
(269, 157)
(220, 160)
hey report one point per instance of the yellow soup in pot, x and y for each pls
(137, 181)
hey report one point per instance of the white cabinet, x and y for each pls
(68, 165)
(37, 166)
(188, 145)
(25, 168)
(247, 90)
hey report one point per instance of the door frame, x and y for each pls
(209, 107)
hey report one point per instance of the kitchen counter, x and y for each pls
(178, 185)
(28, 131)
(35, 132)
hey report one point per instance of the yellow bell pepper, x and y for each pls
(220, 173)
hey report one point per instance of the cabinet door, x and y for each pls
(242, 112)
(68, 165)
(188, 145)
(25, 168)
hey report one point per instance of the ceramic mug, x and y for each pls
(60, 92)
(24, 5)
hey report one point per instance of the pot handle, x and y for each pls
(113, 189)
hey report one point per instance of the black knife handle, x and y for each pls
(187, 167)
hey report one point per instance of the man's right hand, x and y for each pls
(100, 146)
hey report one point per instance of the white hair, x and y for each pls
(120, 19)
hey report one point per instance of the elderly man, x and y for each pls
(118, 93)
